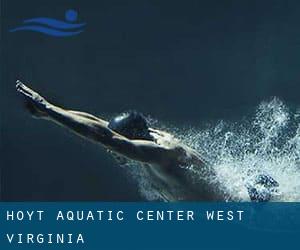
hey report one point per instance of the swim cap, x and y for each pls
(132, 125)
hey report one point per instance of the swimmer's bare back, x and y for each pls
(166, 156)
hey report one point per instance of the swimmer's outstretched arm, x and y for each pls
(95, 129)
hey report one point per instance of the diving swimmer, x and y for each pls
(129, 136)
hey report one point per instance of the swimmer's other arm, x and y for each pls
(95, 129)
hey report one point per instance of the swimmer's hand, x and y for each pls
(35, 103)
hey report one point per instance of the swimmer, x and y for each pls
(129, 136)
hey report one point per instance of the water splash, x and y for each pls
(267, 142)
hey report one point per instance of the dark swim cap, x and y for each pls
(132, 125)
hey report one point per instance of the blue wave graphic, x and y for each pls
(53, 27)
(53, 23)
(47, 31)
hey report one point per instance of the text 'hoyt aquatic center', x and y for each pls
(120, 215)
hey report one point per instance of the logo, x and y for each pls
(53, 27)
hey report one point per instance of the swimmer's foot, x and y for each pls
(34, 103)
(263, 188)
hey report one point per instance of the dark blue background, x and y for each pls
(182, 62)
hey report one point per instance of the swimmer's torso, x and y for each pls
(180, 183)
(177, 179)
